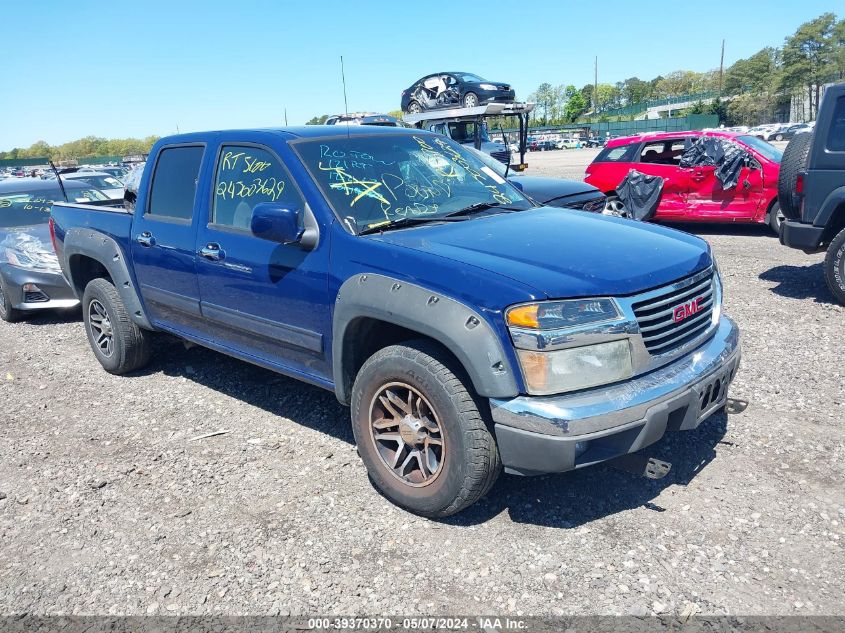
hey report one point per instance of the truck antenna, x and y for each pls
(343, 76)
(59, 178)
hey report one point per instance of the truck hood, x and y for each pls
(563, 253)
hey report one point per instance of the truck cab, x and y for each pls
(472, 134)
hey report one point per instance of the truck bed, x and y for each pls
(113, 221)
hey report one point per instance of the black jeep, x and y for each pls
(811, 189)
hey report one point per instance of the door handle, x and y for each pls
(697, 176)
(146, 239)
(212, 252)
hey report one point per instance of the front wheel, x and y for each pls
(414, 108)
(118, 343)
(834, 267)
(420, 432)
(7, 312)
(470, 100)
(779, 137)
(614, 206)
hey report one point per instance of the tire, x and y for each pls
(779, 137)
(834, 267)
(794, 161)
(467, 462)
(414, 108)
(615, 206)
(470, 100)
(119, 344)
(775, 218)
(7, 312)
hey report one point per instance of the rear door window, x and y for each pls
(836, 134)
(667, 152)
(619, 154)
(175, 183)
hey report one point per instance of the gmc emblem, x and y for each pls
(686, 310)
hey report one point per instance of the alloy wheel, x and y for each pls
(614, 206)
(407, 434)
(471, 101)
(101, 328)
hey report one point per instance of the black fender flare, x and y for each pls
(107, 252)
(834, 200)
(456, 326)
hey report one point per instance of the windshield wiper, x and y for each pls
(452, 216)
(399, 223)
(478, 207)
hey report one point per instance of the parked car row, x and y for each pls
(780, 131)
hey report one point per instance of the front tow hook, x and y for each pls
(649, 467)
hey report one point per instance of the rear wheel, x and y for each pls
(7, 312)
(470, 100)
(776, 218)
(779, 137)
(119, 344)
(794, 161)
(420, 432)
(834, 267)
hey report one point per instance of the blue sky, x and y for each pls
(121, 69)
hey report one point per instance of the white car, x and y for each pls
(108, 184)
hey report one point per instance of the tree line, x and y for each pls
(88, 147)
(754, 87)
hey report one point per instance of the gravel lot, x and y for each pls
(109, 507)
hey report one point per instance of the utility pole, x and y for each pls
(596, 86)
(286, 117)
(721, 67)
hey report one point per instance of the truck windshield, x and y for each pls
(762, 147)
(377, 180)
(464, 132)
(28, 208)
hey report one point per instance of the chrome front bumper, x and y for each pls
(558, 433)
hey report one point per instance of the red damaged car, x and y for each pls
(694, 192)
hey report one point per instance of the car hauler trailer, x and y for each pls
(433, 119)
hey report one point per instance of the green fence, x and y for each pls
(637, 108)
(629, 128)
(30, 162)
(677, 124)
(23, 162)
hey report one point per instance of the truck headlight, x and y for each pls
(552, 315)
(547, 373)
(717, 294)
(47, 262)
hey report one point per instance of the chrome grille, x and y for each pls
(656, 315)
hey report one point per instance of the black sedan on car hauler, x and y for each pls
(454, 89)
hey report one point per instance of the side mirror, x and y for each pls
(276, 223)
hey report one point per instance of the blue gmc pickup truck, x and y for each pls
(467, 328)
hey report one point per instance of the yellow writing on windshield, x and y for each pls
(350, 185)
